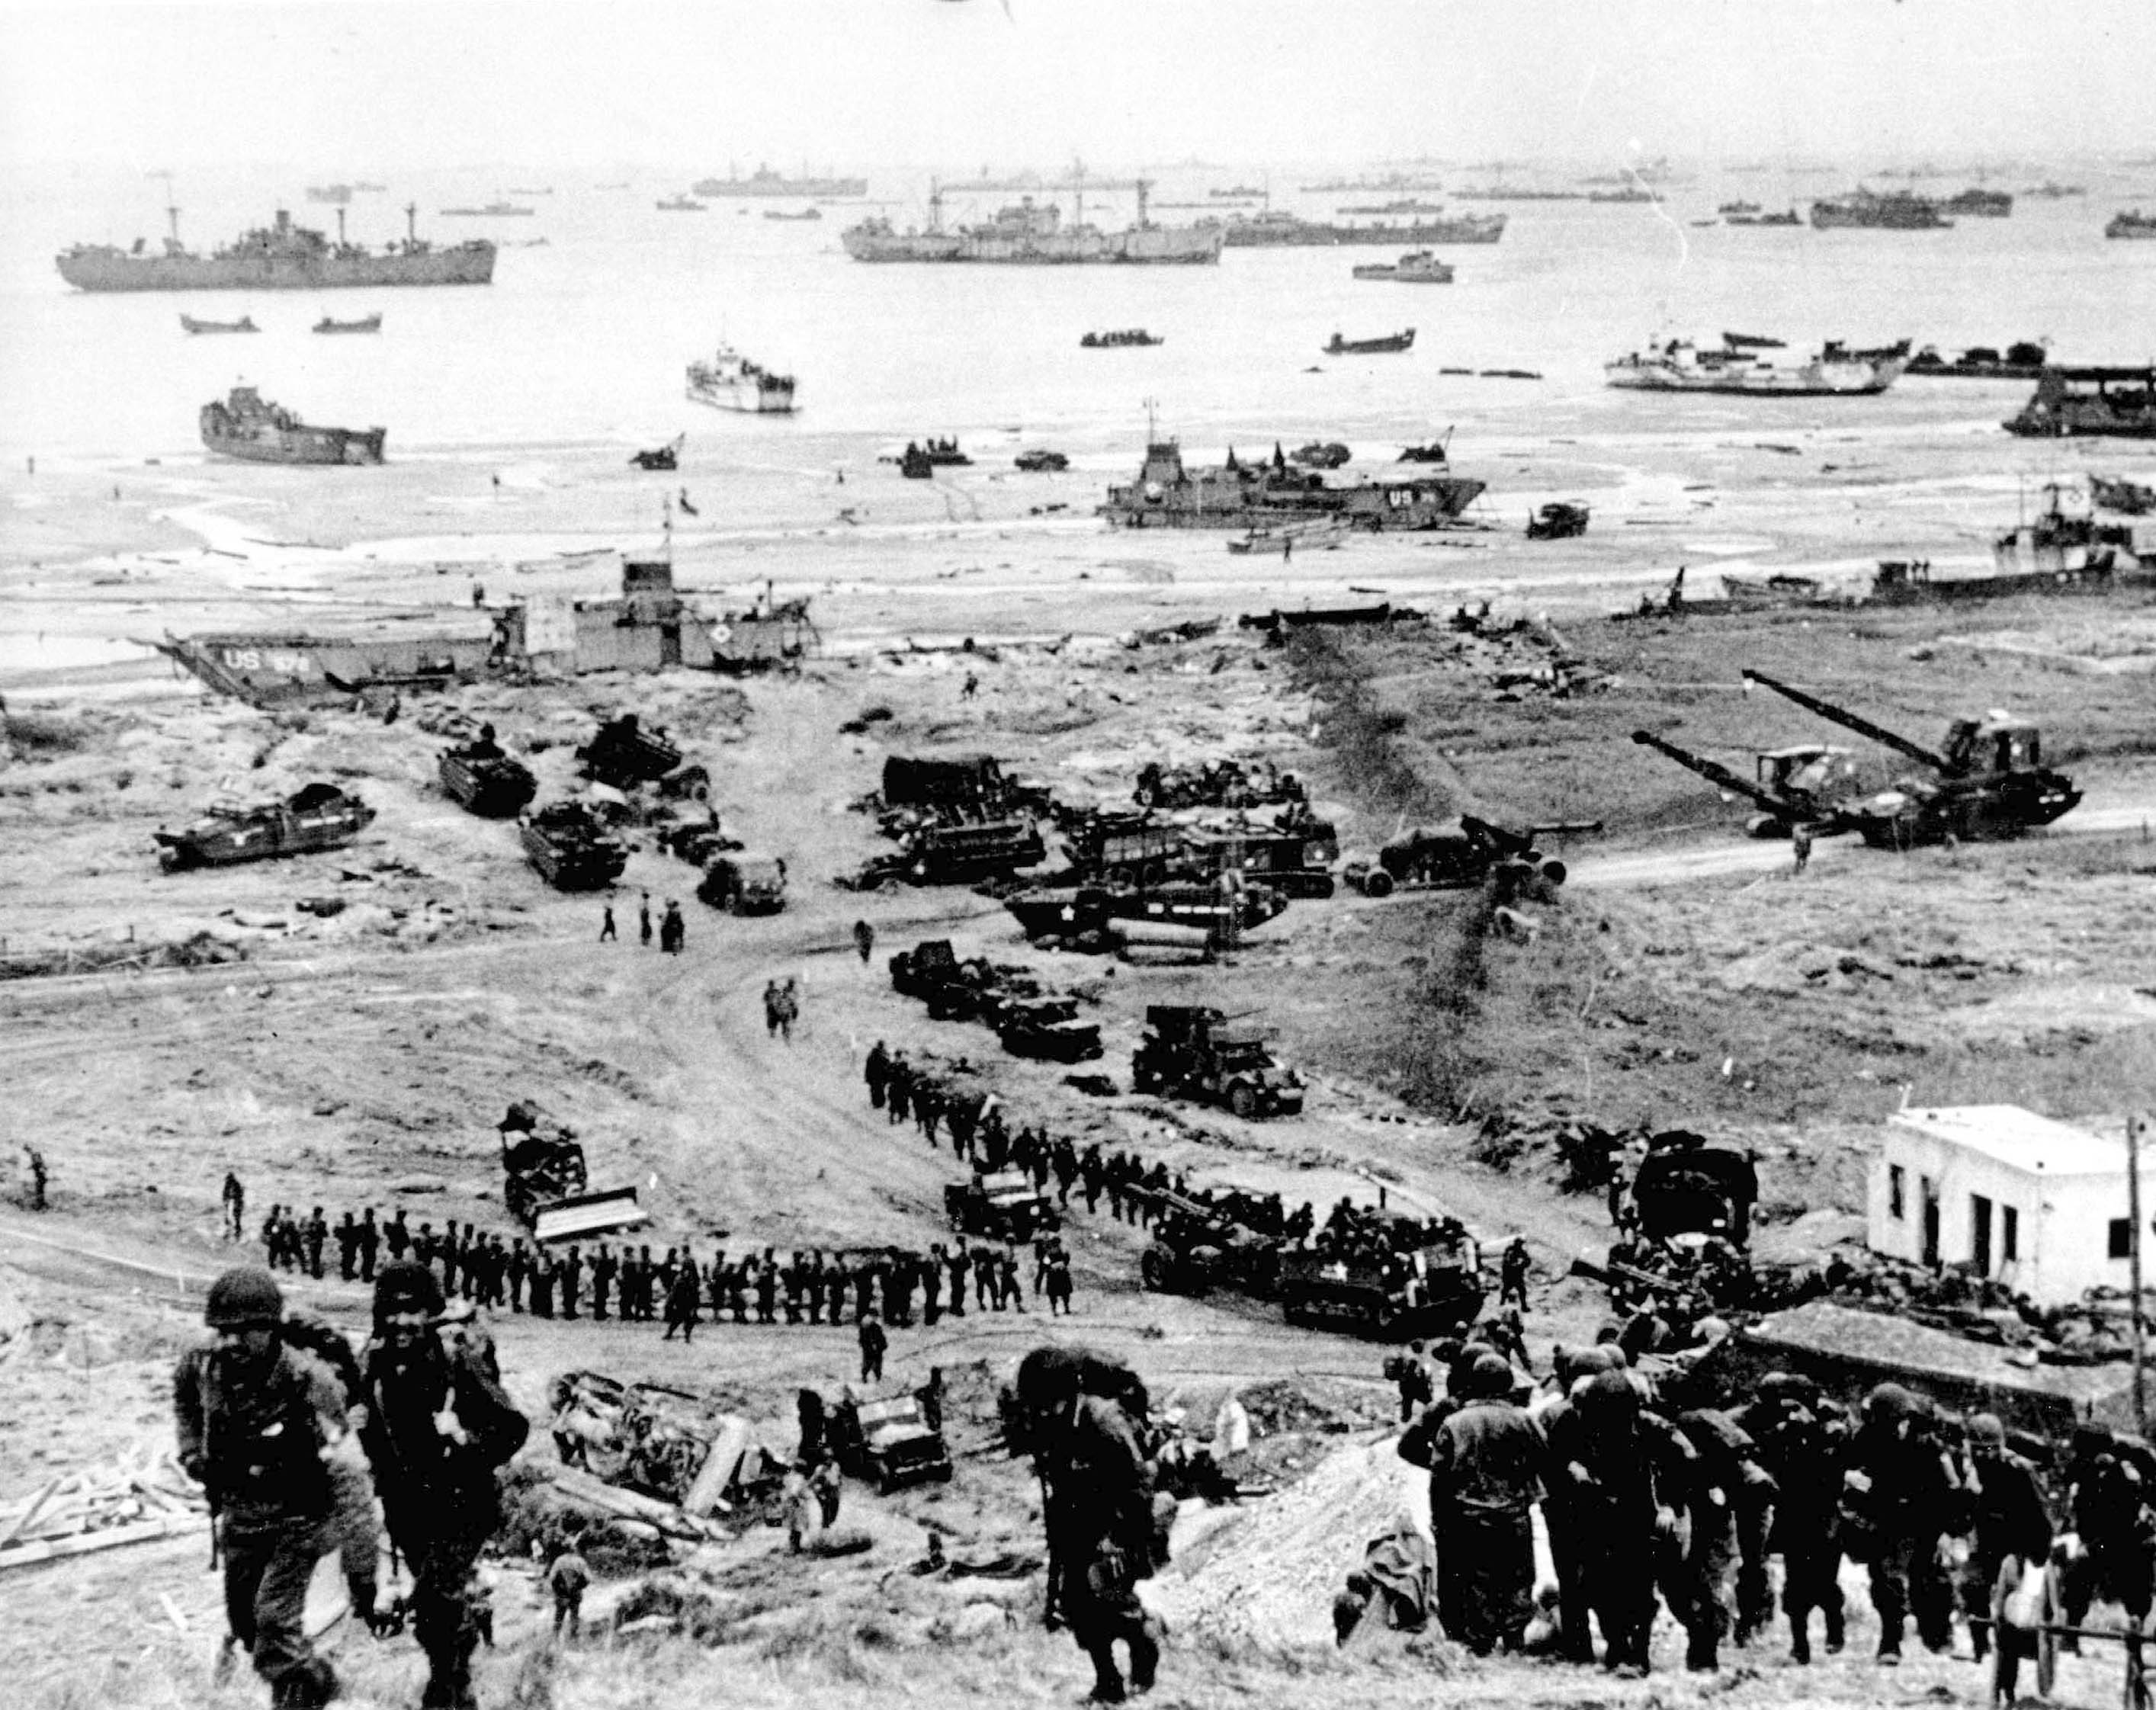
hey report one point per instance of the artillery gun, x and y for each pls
(1426, 858)
(1807, 784)
(570, 849)
(484, 777)
(319, 816)
(1988, 781)
(1197, 1248)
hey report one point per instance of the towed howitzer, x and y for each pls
(1424, 858)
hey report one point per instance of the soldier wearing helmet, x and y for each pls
(255, 1424)
(438, 1426)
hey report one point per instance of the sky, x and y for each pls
(353, 86)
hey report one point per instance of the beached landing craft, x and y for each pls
(1268, 495)
(281, 257)
(1391, 343)
(247, 427)
(370, 323)
(1680, 366)
(2071, 403)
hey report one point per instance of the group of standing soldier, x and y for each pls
(1640, 1499)
(294, 1437)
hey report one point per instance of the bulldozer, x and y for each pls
(1429, 858)
(545, 1179)
(1807, 784)
(1988, 781)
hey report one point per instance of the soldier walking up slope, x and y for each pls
(438, 1426)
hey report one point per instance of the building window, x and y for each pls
(1897, 1192)
(2122, 1238)
(2009, 1235)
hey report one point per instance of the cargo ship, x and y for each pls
(1032, 234)
(1278, 230)
(1680, 366)
(763, 181)
(282, 257)
(1896, 210)
(248, 426)
(1243, 495)
(2072, 402)
(731, 381)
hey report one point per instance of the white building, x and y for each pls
(2038, 1204)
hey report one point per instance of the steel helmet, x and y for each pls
(244, 1295)
(406, 1285)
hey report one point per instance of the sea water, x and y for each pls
(583, 340)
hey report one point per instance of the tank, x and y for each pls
(318, 817)
(570, 849)
(482, 777)
(625, 752)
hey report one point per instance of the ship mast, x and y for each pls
(411, 224)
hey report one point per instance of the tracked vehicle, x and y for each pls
(483, 777)
(320, 816)
(1807, 784)
(572, 850)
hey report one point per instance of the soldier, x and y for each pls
(1094, 1175)
(1800, 846)
(863, 941)
(607, 934)
(766, 1290)
(346, 1235)
(673, 930)
(369, 1242)
(1084, 1417)
(233, 1200)
(789, 1278)
(1908, 1490)
(683, 1303)
(835, 1285)
(1008, 1282)
(604, 1268)
(931, 1286)
(1063, 1163)
(438, 1426)
(644, 920)
(452, 1257)
(928, 1109)
(253, 1431)
(541, 1280)
(898, 1088)
(2009, 1519)
(1512, 1272)
(958, 1262)
(874, 1342)
(877, 1074)
(396, 1236)
(812, 1285)
(1059, 1281)
(573, 1280)
(520, 1272)
(36, 1160)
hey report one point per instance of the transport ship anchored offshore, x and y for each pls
(1031, 233)
(281, 257)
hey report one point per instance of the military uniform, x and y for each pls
(438, 1426)
(251, 1428)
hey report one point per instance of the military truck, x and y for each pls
(484, 778)
(964, 786)
(1047, 1028)
(1189, 1051)
(743, 883)
(1416, 1287)
(885, 1440)
(319, 816)
(1002, 1207)
(572, 850)
(1197, 1248)
(1428, 857)
(954, 854)
(1686, 1185)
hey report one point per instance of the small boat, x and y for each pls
(493, 210)
(1432, 453)
(2022, 360)
(944, 453)
(1779, 590)
(1284, 540)
(1321, 454)
(248, 427)
(1789, 219)
(1738, 207)
(1370, 346)
(1042, 462)
(372, 323)
(805, 213)
(2130, 223)
(1418, 267)
(667, 456)
(679, 204)
(1127, 338)
(2122, 496)
(244, 324)
(732, 381)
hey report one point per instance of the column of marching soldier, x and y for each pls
(632, 1286)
